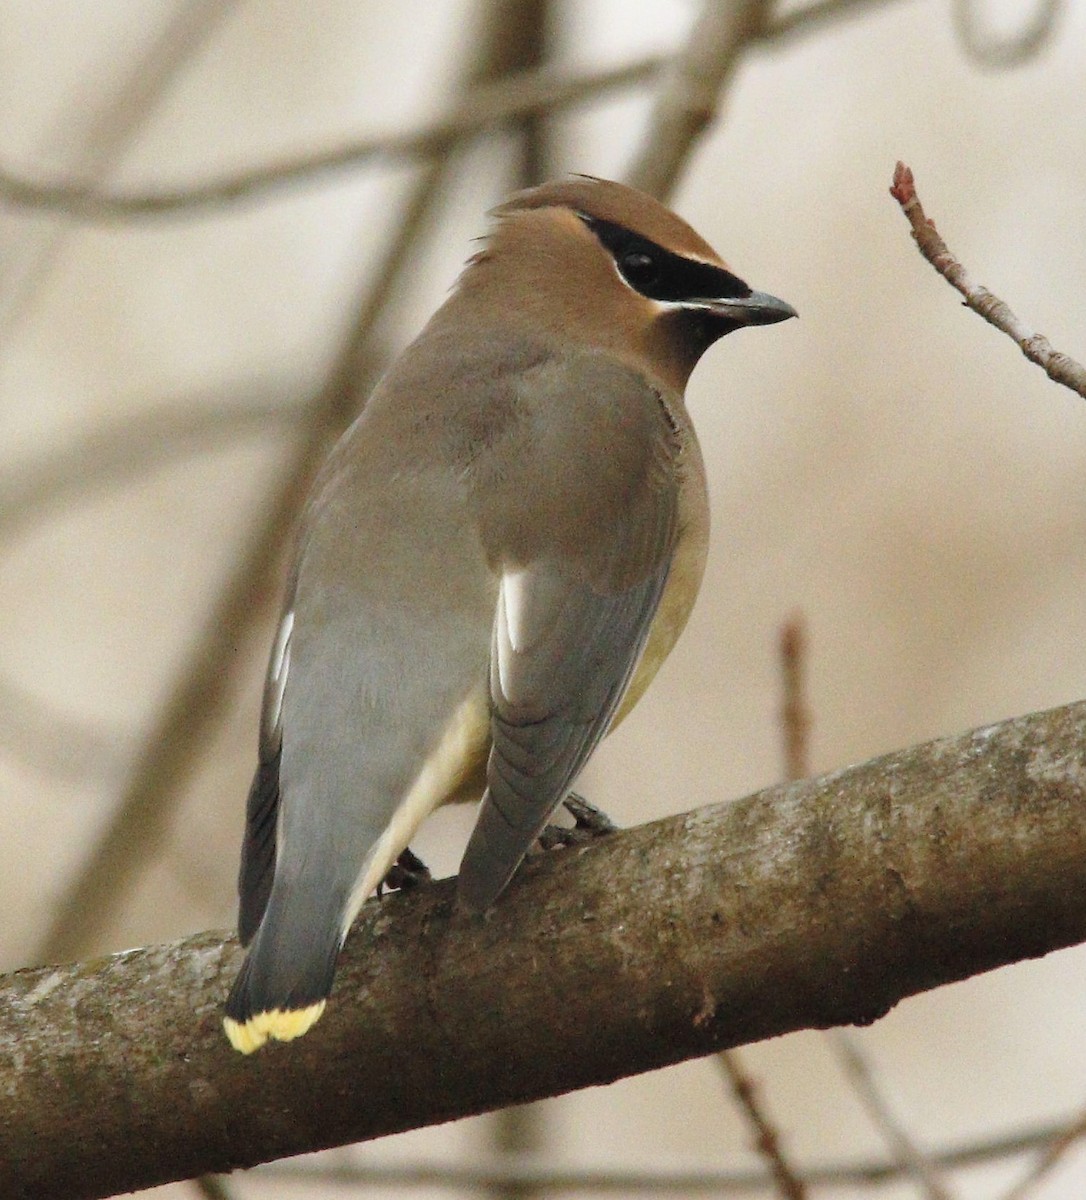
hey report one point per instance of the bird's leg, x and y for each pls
(589, 823)
(406, 873)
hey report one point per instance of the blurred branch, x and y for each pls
(1056, 365)
(989, 50)
(40, 736)
(1052, 1154)
(546, 1180)
(913, 1161)
(139, 825)
(486, 106)
(483, 108)
(690, 95)
(795, 713)
(518, 32)
(806, 905)
(213, 1187)
(786, 1179)
(120, 449)
(108, 132)
(796, 723)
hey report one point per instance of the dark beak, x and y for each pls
(759, 308)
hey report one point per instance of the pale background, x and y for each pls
(887, 464)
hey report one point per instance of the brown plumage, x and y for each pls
(494, 562)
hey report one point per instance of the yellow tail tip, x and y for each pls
(282, 1024)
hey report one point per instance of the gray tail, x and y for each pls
(285, 979)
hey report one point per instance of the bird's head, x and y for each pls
(607, 265)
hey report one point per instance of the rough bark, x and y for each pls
(813, 904)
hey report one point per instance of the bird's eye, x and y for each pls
(639, 268)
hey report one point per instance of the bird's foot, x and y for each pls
(406, 873)
(589, 823)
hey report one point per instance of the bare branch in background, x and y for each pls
(518, 33)
(909, 1157)
(1056, 365)
(998, 53)
(109, 133)
(213, 1187)
(691, 93)
(121, 449)
(547, 1180)
(796, 725)
(483, 109)
(40, 736)
(786, 1180)
(795, 713)
(1050, 1157)
(807, 905)
(138, 827)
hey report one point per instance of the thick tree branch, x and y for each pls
(807, 905)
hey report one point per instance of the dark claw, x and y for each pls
(587, 816)
(589, 824)
(407, 872)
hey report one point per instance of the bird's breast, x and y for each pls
(684, 576)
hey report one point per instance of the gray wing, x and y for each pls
(562, 657)
(258, 846)
(580, 515)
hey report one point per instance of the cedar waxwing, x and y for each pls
(494, 562)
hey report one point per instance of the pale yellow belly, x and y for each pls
(676, 604)
(680, 592)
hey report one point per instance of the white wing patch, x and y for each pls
(278, 669)
(510, 632)
(512, 607)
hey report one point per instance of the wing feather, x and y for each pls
(559, 670)
(259, 846)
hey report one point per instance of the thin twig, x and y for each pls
(1056, 365)
(1052, 1154)
(787, 1179)
(767, 1141)
(910, 1158)
(809, 18)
